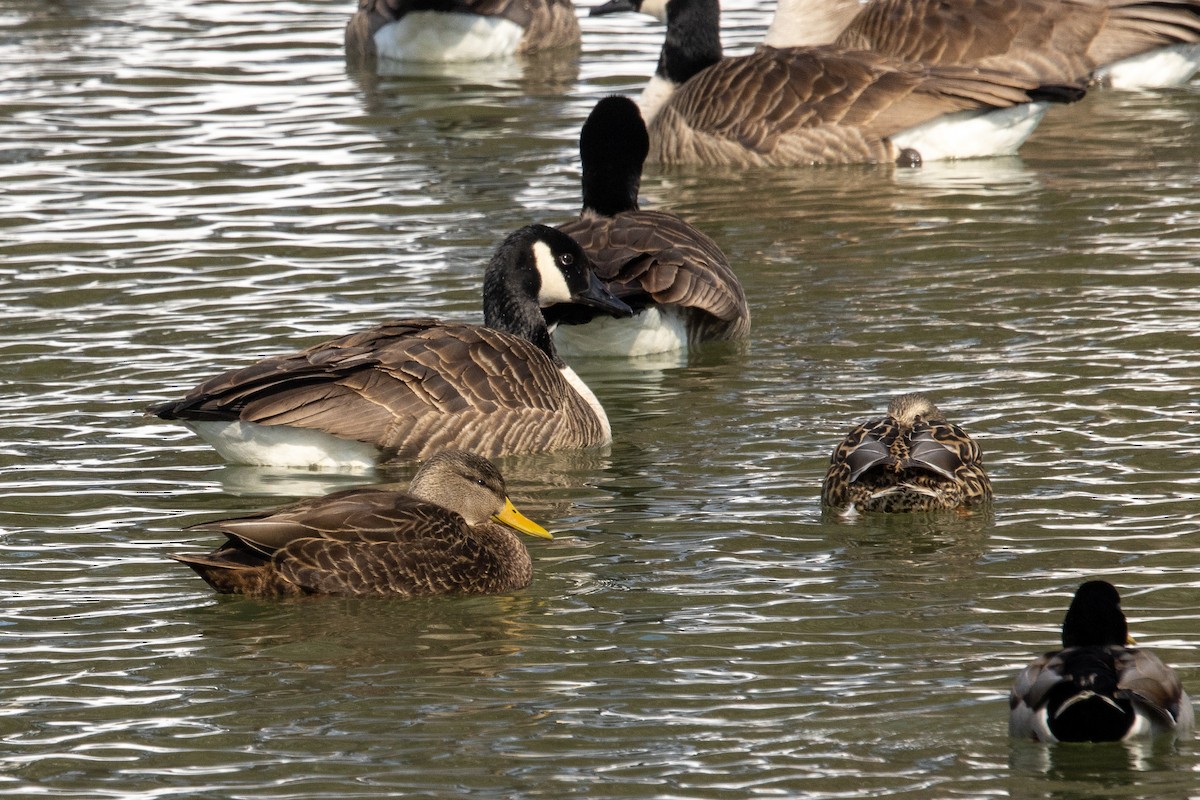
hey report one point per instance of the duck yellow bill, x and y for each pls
(518, 521)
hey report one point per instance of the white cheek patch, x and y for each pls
(655, 8)
(554, 285)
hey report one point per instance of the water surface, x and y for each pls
(185, 188)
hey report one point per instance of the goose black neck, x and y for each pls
(510, 290)
(613, 147)
(693, 39)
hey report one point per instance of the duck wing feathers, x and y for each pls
(654, 257)
(411, 387)
(1154, 686)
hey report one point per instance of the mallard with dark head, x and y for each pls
(1098, 688)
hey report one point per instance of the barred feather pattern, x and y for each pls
(1050, 41)
(363, 542)
(410, 387)
(655, 257)
(818, 105)
(909, 460)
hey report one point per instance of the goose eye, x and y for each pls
(566, 259)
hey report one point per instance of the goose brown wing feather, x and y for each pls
(1136, 26)
(817, 105)
(519, 11)
(937, 32)
(667, 261)
(1051, 42)
(401, 387)
(547, 23)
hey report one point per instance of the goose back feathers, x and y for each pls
(411, 387)
(671, 274)
(457, 30)
(1098, 688)
(1125, 43)
(824, 105)
(913, 459)
(439, 538)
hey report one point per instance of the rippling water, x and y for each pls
(184, 187)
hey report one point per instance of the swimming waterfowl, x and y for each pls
(822, 105)
(458, 30)
(1119, 43)
(440, 537)
(675, 277)
(411, 387)
(1098, 687)
(913, 459)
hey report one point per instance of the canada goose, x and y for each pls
(438, 538)
(676, 279)
(411, 387)
(458, 30)
(1120, 43)
(911, 460)
(1098, 688)
(822, 105)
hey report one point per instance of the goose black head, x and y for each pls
(538, 266)
(613, 146)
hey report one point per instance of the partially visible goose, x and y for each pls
(1125, 44)
(675, 278)
(1098, 688)
(411, 387)
(913, 459)
(458, 30)
(439, 538)
(822, 105)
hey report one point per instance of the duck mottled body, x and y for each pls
(1098, 688)
(913, 459)
(435, 539)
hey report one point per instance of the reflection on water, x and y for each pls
(191, 189)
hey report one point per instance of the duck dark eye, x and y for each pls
(566, 259)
